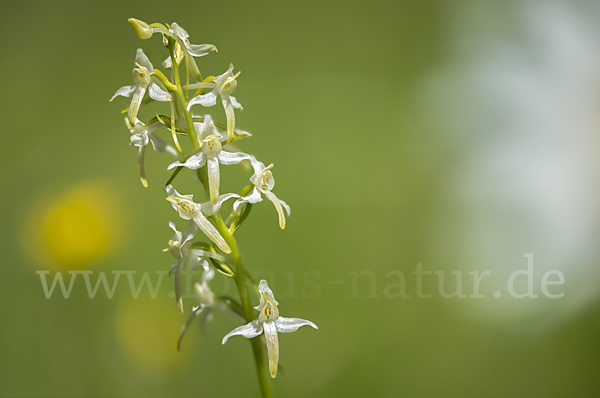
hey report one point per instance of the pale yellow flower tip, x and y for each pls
(142, 29)
(180, 304)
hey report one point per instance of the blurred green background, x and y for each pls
(457, 135)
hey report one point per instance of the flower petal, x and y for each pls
(287, 207)
(136, 101)
(211, 232)
(167, 62)
(271, 196)
(209, 99)
(230, 116)
(289, 325)
(235, 103)
(193, 162)
(125, 91)
(214, 178)
(160, 145)
(158, 94)
(200, 50)
(143, 60)
(196, 261)
(249, 331)
(209, 209)
(139, 139)
(141, 166)
(263, 288)
(229, 158)
(272, 346)
(205, 253)
(253, 197)
(189, 233)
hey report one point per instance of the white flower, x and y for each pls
(223, 85)
(263, 184)
(179, 246)
(195, 50)
(206, 300)
(269, 321)
(211, 153)
(142, 77)
(189, 210)
(140, 136)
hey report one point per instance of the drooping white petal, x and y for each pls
(289, 325)
(125, 91)
(229, 158)
(141, 166)
(196, 261)
(136, 101)
(209, 99)
(249, 331)
(200, 50)
(193, 162)
(235, 103)
(253, 197)
(230, 116)
(158, 94)
(271, 196)
(160, 145)
(209, 209)
(272, 346)
(211, 232)
(214, 178)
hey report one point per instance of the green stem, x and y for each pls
(179, 92)
(240, 281)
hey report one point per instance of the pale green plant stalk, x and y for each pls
(222, 253)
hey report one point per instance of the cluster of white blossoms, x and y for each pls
(211, 149)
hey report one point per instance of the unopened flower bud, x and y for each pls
(142, 29)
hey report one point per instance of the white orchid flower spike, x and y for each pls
(142, 77)
(211, 153)
(269, 321)
(223, 85)
(140, 136)
(189, 210)
(263, 184)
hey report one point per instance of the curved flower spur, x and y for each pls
(271, 323)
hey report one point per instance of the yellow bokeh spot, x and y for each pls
(74, 228)
(147, 331)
